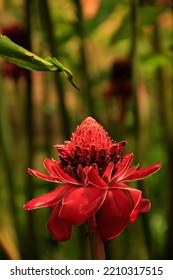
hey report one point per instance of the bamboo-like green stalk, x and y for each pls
(134, 61)
(83, 244)
(135, 87)
(8, 161)
(50, 34)
(30, 248)
(47, 120)
(86, 90)
(166, 117)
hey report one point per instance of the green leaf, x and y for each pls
(155, 60)
(26, 59)
(147, 16)
(124, 30)
(68, 74)
(23, 58)
(56, 63)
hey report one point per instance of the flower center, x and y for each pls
(89, 144)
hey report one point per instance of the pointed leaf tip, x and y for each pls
(70, 78)
(20, 56)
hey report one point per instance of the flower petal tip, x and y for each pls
(155, 167)
(30, 171)
(25, 207)
(158, 165)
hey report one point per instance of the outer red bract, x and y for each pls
(93, 175)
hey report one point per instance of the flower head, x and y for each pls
(93, 173)
(90, 144)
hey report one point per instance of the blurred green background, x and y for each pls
(120, 53)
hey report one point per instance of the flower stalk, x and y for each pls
(96, 242)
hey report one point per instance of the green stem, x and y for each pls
(166, 119)
(83, 245)
(86, 91)
(137, 118)
(96, 242)
(49, 30)
(8, 160)
(30, 246)
(47, 119)
(134, 60)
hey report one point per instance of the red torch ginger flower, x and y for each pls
(93, 174)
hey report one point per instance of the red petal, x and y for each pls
(80, 174)
(43, 176)
(60, 230)
(64, 177)
(108, 172)
(130, 171)
(143, 172)
(49, 199)
(122, 167)
(113, 216)
(48, 165)
(145, 205)
(134, 195)
(56, 173)
(95, 179)
(82, 203)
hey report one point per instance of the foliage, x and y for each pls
(23, 58)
